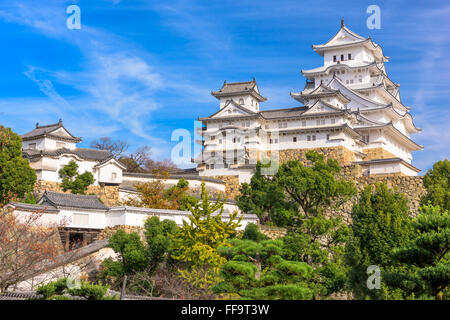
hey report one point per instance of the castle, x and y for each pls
(352, 111)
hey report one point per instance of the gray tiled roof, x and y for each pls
(34, 207)
(59, 199)
(238, 88)
(47, 130)
(282, 113)
(84, 153)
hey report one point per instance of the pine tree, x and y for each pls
(257, 270)
(72, 180)
(426, 258)
(197, 241)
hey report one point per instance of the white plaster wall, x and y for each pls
(404, 169)
(249, 102)
(97, 219)
(45, 219)
(105, 172)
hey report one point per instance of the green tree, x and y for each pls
(254, 198)
(256, 270)
(296, 197)
(179, 194)
(16, 176)
(437, 184)
(59, 290)
(252, 232)
(197, 241)
(426, 258)
(133, 256)
(72, 180)
(315, 187)
(159, 236)
(314, 238)
(381, 222)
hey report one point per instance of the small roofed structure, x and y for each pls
(48, 148)
(64, 200)
(245, 94)
(52, 131)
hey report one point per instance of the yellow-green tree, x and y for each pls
(197, 241)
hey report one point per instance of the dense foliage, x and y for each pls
(155, 195)
(16, 176)
(197, 241)
(257, 269)
(381, 223)
(132, 255)
(60, 290)
(296, 198)
(437, 184)
(426, 259)
(72, 180)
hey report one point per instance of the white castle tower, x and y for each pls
(351, 111)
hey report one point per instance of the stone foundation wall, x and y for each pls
(341, 154)
(108, 194)
(377, 153)
(411, 186)
(232, 185)
(272, 232)
(106, 233)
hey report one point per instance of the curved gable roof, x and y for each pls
(50, 130)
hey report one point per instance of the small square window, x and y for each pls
(313, 138)
(294, 139)
(308, 138)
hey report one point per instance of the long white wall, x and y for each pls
(132, 216)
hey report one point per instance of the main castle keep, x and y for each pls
(351, 111)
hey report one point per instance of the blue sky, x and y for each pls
(137, 70)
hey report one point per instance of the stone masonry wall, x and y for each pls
(341, 154)
(106, 233)
(108, 194)
(411, 186)
(232, 185)
(377, 153)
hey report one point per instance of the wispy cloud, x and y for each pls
(115, 80)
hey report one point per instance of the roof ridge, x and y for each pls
(273, 110)
(48, 125)
(240, 82)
